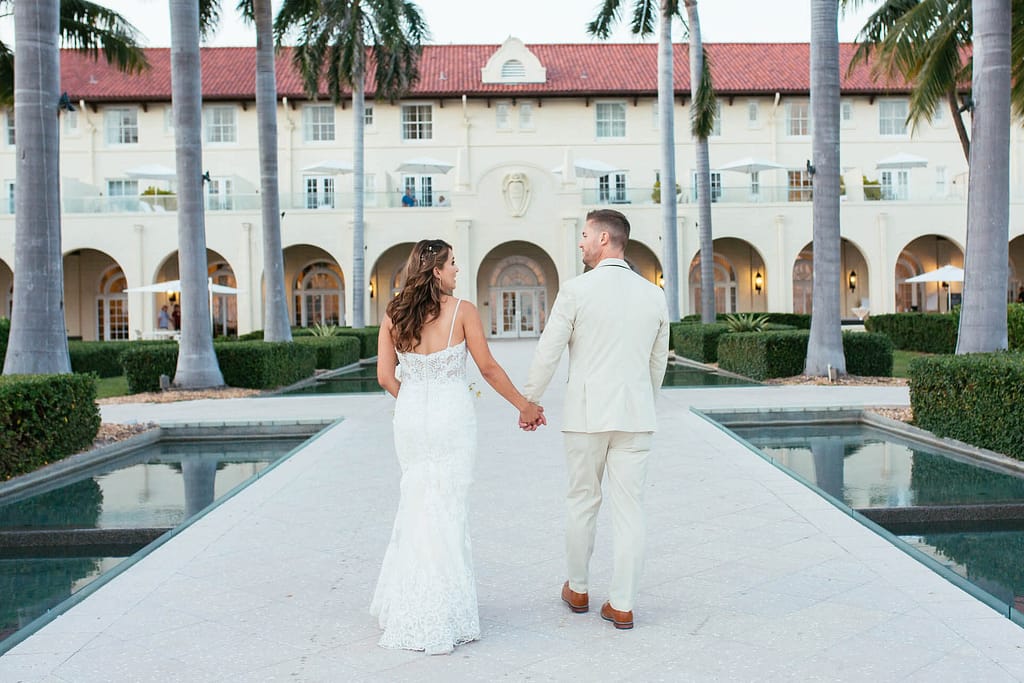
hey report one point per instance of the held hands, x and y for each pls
(531, 417)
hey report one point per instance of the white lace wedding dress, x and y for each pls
(426, 594)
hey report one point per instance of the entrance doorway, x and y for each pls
(519, 311)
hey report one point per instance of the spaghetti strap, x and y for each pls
(454, 313)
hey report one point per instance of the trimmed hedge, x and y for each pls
(697, 341)
(265, 365)
(248, 364)
(367, 337)
(44, 418)
(333, 352)
(5, 332)
(975, 398)
(1015, 326)
(927, 332)
(765, 355)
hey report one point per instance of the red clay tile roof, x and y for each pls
(454, 70)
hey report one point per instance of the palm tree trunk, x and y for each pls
(666, 118)
(983, 317)
(825, 347)
(358, 282)
(276, 326)
(38, 342)
(197, 363)
(958, 123)
(703, 165)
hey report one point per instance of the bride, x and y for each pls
(426, 594)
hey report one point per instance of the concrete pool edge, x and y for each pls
(840, 414)
(103, 579)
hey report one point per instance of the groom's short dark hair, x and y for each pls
(615, 224)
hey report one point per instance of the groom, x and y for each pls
(615, 324)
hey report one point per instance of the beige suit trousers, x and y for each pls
(624, 456)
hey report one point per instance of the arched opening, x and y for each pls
(6, 290)
(923, 255)
(740, 277)
(112, 306)
(516, 284)
(1015, 285)
(725, 285)
(643, 261)
(387, 277)
(854, 281)
(95, 305)
(223, 305)
(316, 285)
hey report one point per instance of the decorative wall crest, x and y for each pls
(516, 190)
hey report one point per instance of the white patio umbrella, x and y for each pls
(943, 274)
(152, 172)
(330, 166)
(750, 165)
(175, 286)
(902, 160)
(424, 165)
(591, 168)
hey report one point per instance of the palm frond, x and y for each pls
(209, 17)
(705, 104)
(94, 29)
(607, 17)
(645, 17)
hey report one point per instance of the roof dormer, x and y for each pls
(513, 63)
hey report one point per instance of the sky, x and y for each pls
(490, 22)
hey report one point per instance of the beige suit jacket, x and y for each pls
(615, 324)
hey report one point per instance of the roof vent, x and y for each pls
(513, 70)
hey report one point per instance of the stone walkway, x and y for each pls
(750, 576)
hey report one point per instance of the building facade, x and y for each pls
(502, 151)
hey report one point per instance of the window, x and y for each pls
(318, 122)
(753, 114)
(368, 115)
(319, 191)
(9, 194)
(421, 187)
(503, 115)
(70, 122)
(716, 186)
(112, 306)
(123, 194)
(798, 119)
(846, 113)
(221, 125)
(755, 185)
(800, 185)
(218, 194)
(10, 127)
(941, 181)
(892, 117)
(895, 184)
(320, 295)
(525, 116)
(611, 189)
(417, 122)
(611, 119)
(716, 126)
(122, 126)
(369, 189)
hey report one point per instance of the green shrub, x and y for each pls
(102, 358)
(746, 322)
(975, 398)
(697, 341)
(926, 332)
(143, 365)
(367, 338)
(333, 352)
(5, 332)
(255, 335)
(800, 321)
(1015, 326)
(763, 355)
(44, 418)
(868, 354)
(265, 365)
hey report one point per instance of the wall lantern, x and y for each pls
(758, 282)
(370, 288)
(852, 280)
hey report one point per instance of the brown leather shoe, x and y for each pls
(620, 619)
(578, 602)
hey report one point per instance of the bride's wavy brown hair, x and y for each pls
(419, 302)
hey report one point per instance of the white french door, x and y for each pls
(519, 311)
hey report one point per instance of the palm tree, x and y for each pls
(825, 347)
(983, 318)
(642, 24)
(276, 326)
(702, 115)
(197, 362)
(342, 38)
(38, 337)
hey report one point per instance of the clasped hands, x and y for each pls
(531, 417)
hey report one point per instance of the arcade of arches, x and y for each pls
(515, 285)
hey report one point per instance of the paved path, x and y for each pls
(750, 575)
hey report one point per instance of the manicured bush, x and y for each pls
(265, 365)
(975, 398)
(333, 352)
(927, 332)
(763, 355)
(697, 341)
(101, 358)
(44, 418)
(868, 354)
(5, 332)
(143, 365)
(1015, 326)
(367, 338)
(800, 321)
